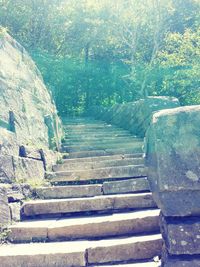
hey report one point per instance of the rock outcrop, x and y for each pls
(27, 108)
(30, 129)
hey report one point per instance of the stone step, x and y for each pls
(108, 140)
(80, 253)
(70, 191)
(129, 171)
(104, 130)
(102, 158)
(90, 190)
(90, 126)
(90, 204)
(140, 264)
(93, 139)
(126, 186)
(77, 148)
(97, 135)
(106, 152)
(91, 227)
(97, 164)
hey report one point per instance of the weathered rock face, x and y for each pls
(28, 109)
(4, 208)
(173, 160)
(135, 116)
(30, 129)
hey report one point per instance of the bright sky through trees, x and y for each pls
(102, 52)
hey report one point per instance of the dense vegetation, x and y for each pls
(107, 51)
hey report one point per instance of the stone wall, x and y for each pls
(173, 160)
(134, 116)
(30, 129)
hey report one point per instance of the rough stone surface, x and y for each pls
(15, 211)
(182, 263)
(105, 226)
(87, 227)
(42, 255)
(8, 143)
(66, 166)
(173, 160)
(69, 191)
(7, 174)
(126, 186)
(4, 208)
(102, 173)
(181, 235)
(28, 170)
(25, 100)
(99, 203)
(133, 248)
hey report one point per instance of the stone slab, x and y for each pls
(141, 264)
(69, 191)
(105, 152)
(87, 227)
(126, 186)
(43, 255)
(173, 160)
(134, 248)
(102, 158)
(181, 235)
(172, 204)
(182, 263)
(98, 203)
(67, 166)
(101, 173)
(83, 147)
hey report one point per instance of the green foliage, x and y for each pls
(93, 52)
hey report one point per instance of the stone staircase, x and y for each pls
(98, 210)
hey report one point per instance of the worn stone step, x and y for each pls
(140, 264)
(126, 186)
(70, 191)
(96, 141)
(97, 135)
(102, 158)
(86, 227)
(77, 148)
(90, 126)
(108, 129)
(98, 203)
(97, 164)
(105, 152)
(57, 254)
(89, 190)
(111, 138)
(133, 248)
(80, 253)
(129, 171)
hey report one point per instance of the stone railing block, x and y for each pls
(173, 160)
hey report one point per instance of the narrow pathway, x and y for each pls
(98, 209)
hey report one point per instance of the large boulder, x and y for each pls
(27, 108)
(173, 160)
